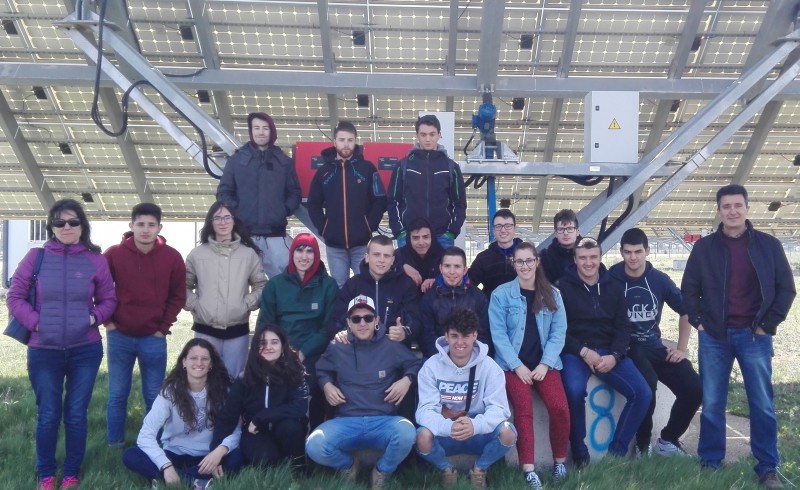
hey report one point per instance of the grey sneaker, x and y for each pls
(559, 472)
(770, 480)
(378, 479)
(666, 448)
(533, 480)
(351, 473)
(449, 477)
(201, 483)
(477, 477)
(643, 452)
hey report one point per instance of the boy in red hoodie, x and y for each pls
(150, 281)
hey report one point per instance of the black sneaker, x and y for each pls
(580, 460)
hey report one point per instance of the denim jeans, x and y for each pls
(754, 354)
(332, 442)
(624, 378)
(186, 466)
(274, 253)
(48, 369)
(342, 260)
(123, 351)
(487, 446)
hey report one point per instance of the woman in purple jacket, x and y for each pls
(74, 294)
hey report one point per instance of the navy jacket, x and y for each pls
(644, 298)
(262, 187)
(493, 267)
(346, 200)
(431, 187)
(557, 259)
(428, 266)
(707, 277)
(597, 317)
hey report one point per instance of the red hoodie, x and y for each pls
(151, 287)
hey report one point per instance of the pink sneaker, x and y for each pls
(47, 483)
(70, 482)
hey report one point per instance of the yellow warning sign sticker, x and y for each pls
(614, 124)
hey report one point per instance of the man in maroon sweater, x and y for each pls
(150, 281)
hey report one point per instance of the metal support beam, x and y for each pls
(80, 35)
(24, 154)
(701, 156)
(452, 45)
(328, 60)
(493, 167)
(492, 15)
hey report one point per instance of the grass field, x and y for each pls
(103, 468)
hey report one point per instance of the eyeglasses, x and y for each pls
(356, 319)
(507, 226)
(565, 229)
(223, 219)
(61, 223)
(527, 262)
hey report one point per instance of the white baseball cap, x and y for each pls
(361, 301)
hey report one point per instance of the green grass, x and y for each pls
(103, 468)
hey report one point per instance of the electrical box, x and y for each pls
(611, 127)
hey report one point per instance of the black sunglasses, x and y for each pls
(61, 223)
(356, 319)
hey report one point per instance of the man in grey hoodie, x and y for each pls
(463, 406)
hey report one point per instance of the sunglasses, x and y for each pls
(61, 223)
(356, 319)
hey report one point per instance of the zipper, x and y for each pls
(344, 205)
(64, 298)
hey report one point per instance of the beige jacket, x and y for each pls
(223, 283)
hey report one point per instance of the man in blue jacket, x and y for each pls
(365, 380)
(737, 288)
(346, 202)
(260, 183)
(646, 291)
(427, 184)
(598, 333)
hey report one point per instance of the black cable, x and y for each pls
(466, 153)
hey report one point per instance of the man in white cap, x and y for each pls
(365, 380)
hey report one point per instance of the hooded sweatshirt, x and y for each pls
(261, 185)
(395, 295)
(644, 298)
(556, 259)
(347, 200)
(302, 308)
(493, 267)
(364, 370)
(427, 265)
(597, 317)
(151, 287)
(443, 384)
(427, 184)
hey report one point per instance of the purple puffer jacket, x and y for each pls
(73, 284)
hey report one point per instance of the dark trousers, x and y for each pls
(186, 466)
(285, 439)
(680, 378)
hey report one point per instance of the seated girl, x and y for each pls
(186, 410)
(271, 400)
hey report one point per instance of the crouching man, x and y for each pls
(365, 379)
(463, 406)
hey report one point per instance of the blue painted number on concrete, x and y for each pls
(603, 413)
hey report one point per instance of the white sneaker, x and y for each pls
(639, 453)
(666, 448)
(559, 472)
(533, 480)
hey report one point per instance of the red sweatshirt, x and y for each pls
(151, 287)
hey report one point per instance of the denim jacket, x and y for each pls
(507, 316)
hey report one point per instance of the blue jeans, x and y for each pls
(754, 354)
(47, 370)
(123, 351)
(487, 446)
(332, 442)
(274, 253)
(624, 378)
(186, 466)
(342, 260)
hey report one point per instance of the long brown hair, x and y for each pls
(287, 369)
(176, 385)
(544, 290)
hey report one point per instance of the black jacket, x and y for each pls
(493, 267)
(557, 259)
(395, 294)
(707, 276)
(442, 299)
(346, 200)
(246, 403)
(363, 371)
(262, 187)
(431, 187)
(428, 266)
(597, 317)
